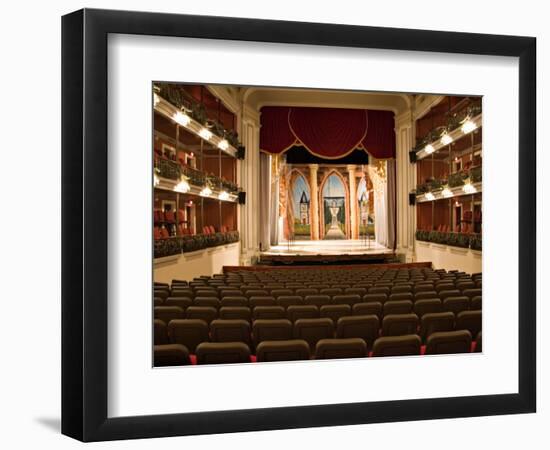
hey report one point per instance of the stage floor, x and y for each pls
(328, 247)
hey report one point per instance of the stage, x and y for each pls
(344, 251)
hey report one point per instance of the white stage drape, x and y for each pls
(265, 201)
(377, 173)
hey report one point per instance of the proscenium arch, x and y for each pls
(321, 203)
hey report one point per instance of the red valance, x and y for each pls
(329, 133)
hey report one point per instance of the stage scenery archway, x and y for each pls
(300, 212)
(334, 206)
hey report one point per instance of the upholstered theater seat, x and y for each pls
(188, 332)
(271, 330)
(399, 324)
(397, 307)
(235, 312)
(222, 353)
(291, 350)
(434, 322)
(170, 355)
(340, 348)
(469, 320)
(268, 312)
(397, 346)
(160, 332)
(168, 313)
(313, 330)
(223, 330)
(449, 342)
(426, 306)
(206, 313)
(365, 327)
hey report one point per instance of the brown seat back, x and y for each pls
(223, 353)
(365, 327)
(340, 348)
(397, 346)
(291, 350)
(444, 342)
(170, 355)
(188, 332)
(399, 324)
(313, 330)
(236, 330)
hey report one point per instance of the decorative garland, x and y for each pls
(455, 180)
(173, 94)
(463, 240)
(184, 244)
(453, 123)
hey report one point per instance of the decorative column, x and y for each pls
(406, 182)
(314, 201)
(353, 202)
(249, 213)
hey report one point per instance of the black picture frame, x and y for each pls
(84, 224)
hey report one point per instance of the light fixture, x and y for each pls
(446, 139)
(156, 99)
(182, 119)
(429, 149)
(446, 192)
(156, 180)
(469, 188)
(224, 195)
(205, 192)
(223, 144)
(468, 126)
(205, 133)
(429, 196)
(182, 186)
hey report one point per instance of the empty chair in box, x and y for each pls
(295, 312)
(206, 313)
(223, 353)
(235, 312)
(188, 332)
(268, 312)
(469, 320)
(456, 304)
(291, 350)
(334, 312)
(289, 300)
(426, 306)
(271, 330)
(365, 327)
(397, 307)
(399, 324)
(397, 346)
(313, 330)
(168, 313)
(160, 332)
(170, 355)
(340, 348)
(223, 330)
(444, 342)
(367, 308)
(434, 322)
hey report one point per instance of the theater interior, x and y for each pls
(305, 224)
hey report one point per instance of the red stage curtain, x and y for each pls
(275, 133)
(380, 139)
(327, 132)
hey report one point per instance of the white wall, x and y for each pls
(448, 257)
(30, 388)
(194, 264)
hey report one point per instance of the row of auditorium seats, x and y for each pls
(191, 331)
(298, 349)
(384, 308)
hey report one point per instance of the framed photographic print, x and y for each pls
(274, 225)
